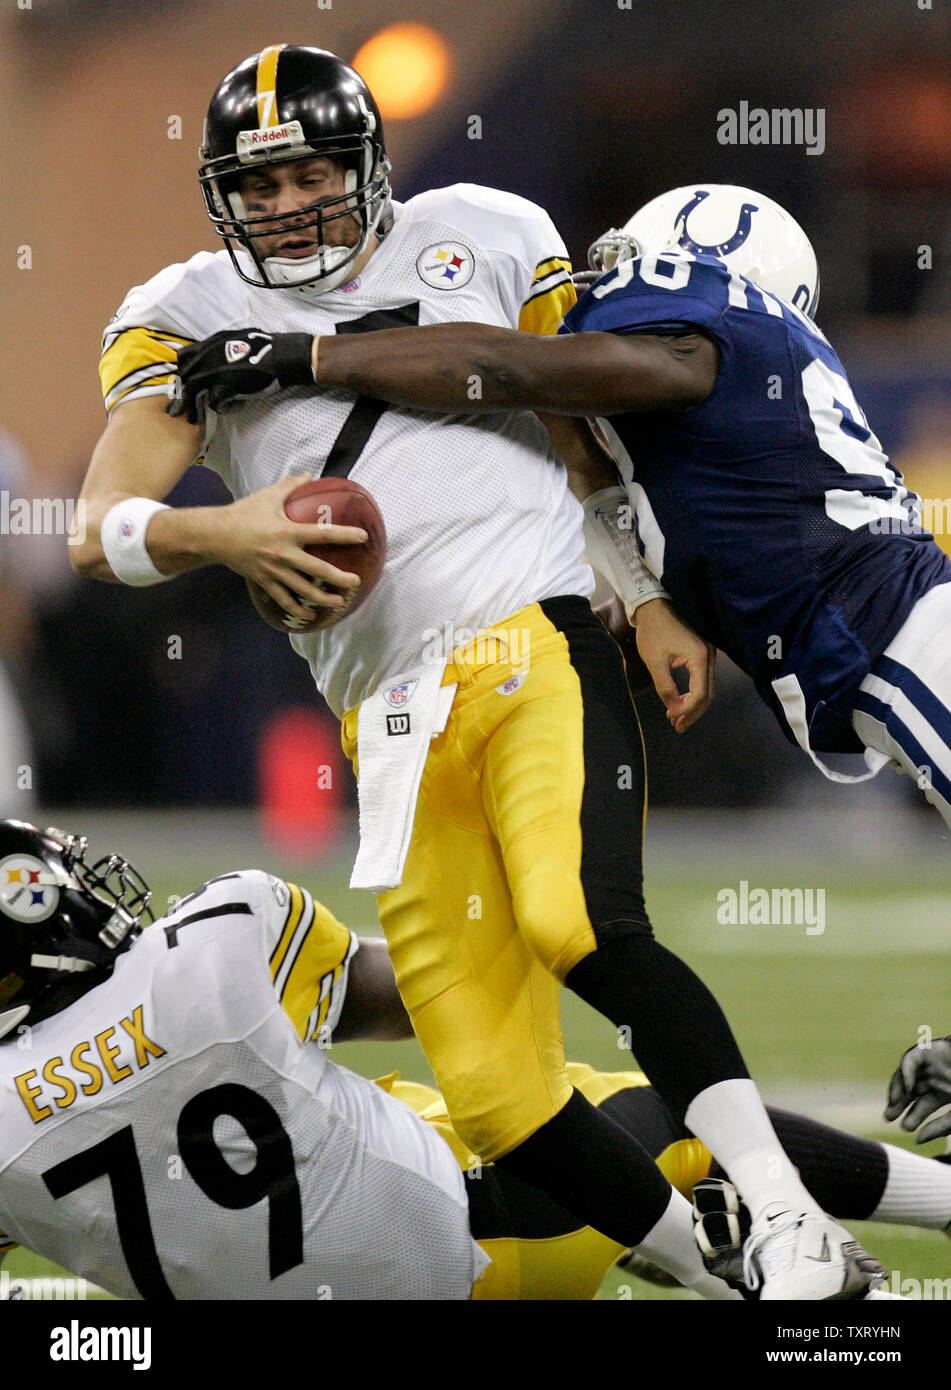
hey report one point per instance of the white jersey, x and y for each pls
(180, 1132)
(479, 518)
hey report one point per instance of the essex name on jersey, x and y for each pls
(180, 1132)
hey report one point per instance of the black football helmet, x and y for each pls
(291, 103)
(63, 922)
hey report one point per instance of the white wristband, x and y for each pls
(612, 548)
(122, 535)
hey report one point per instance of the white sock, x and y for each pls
(670, 1243)
(917, 1193)
(731, 1119)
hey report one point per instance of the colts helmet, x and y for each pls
(750, 233)
(63, 922)
(289, 103)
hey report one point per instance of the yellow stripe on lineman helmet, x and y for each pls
(267, 85)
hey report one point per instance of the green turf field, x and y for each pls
(822, 1018)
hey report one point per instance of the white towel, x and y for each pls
(394, 728)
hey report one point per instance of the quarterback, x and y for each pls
(503, 832)
(172, 1126)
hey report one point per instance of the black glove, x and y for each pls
(237, 363)
(923, 1083)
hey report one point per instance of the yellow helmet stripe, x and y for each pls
(267, 85)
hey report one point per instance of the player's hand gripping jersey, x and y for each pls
(479, 518)
(769, 512)
(179, 1131)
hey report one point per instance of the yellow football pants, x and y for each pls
(493, 908)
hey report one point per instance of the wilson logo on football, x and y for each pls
(235, 349)
(446, 266)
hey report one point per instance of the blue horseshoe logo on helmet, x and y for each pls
(724, 247)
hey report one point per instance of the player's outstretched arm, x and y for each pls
(457, 367)
(477, 368)
(142, 454)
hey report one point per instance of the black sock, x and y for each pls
(588, 1164)
(845, 1174)
(678, 1032)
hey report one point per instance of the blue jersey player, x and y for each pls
(769, 511)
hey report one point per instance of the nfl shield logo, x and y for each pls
(399, 695)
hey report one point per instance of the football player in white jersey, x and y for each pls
(184, 1064)
(507, 852)
(171, 1125)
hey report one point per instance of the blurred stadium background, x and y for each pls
(199, 756)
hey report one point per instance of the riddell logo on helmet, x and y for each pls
(273, 136)
(253, 143)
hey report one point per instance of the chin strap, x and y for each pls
(66, 964)
(287, 272)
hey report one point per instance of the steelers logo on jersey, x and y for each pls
(22, 894)
(446, 266)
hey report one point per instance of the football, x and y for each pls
(338, 502)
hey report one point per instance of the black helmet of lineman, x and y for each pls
(290, 103)
(63, 922)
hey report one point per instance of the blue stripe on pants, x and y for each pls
(924, 700)
(870, 704)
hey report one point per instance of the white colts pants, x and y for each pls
(904, 703)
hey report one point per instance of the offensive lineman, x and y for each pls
(190, 1042)
(484, 536)
(186, 1063)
